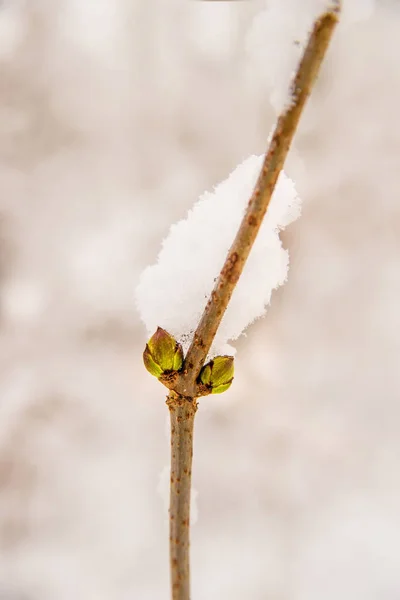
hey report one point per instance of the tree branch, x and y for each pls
(184, 386)
(279, 146)
(182, 412)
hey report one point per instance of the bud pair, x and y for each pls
(163, 356)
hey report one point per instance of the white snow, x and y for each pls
(173, 292)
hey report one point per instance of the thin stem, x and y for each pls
(184, 389)
(279, 146)
(182, 412)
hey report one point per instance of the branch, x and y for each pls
(183, 383)
(182, 414)
(273, 163)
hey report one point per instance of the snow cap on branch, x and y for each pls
(173, 292)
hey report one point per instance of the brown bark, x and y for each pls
(182, 412)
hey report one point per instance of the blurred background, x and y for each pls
(114, 116)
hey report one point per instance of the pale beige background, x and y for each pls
(114, 116)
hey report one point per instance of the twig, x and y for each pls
(182, 414)
(185, 388)
(258, 204)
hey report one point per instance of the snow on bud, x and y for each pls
(218, 374)
(162, 354)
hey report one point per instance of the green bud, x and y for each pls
(218, 374)
(162, 354)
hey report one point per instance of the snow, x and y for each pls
(173, 292)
